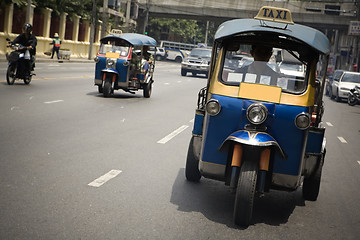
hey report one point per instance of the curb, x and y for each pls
(43, 59)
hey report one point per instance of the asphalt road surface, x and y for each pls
(75, 165)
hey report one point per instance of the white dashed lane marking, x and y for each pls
(55, 101)
(104, 178)
(342, 139)
(329, 124)
(173, 134)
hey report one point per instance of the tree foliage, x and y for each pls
(180, 30)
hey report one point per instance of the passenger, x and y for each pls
(148, 57)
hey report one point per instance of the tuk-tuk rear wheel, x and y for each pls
(311, 185)
(100, 89)
(147, 90)
(192, 172)
(245, 192)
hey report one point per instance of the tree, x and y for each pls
(180, 30)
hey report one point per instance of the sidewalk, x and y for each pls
(48, 59)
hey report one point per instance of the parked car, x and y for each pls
(197, 62)
(159, 53)
(341, 85)
(329, 81)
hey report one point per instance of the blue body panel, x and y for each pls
(198, 124)
(120, 69)
(232, 118)
(314, 141)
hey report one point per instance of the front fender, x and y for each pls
(109, 70)
(253, 138)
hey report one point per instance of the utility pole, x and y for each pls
(28, 11)
(92, 29)
(357, 40)
(104, 18)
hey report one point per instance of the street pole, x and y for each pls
(28, 11)
(92, 30)
(104, 18)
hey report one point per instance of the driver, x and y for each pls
(28, 40)
(259, 69)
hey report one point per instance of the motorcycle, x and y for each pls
(19, 64)
(354, 96)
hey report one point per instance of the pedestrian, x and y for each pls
(56, 46)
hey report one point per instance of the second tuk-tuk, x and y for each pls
(258, 123)
(123, 62)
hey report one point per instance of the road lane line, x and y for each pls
(173, 134)
(55, 101)
(359, 162)
(329, 124)
(342, 139)
(192, 120)
(104, 178)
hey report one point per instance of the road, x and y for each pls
(75, 165)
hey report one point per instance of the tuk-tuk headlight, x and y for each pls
(110, 63)
(126, 63)
(302, 121)
(96, 59)
(256, 113)
(213, 107)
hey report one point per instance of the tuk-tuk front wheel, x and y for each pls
(245, 192)
(107, 90)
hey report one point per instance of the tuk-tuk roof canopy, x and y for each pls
(310, 36)
(134, 39)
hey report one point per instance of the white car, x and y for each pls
(341, 86)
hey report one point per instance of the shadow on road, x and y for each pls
(118, 94)
(215, 201)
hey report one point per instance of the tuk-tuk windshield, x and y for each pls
(264, 65)
(114, 48)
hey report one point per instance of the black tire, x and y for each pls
(27, 79)
(178, 59)
(100, 89)
(158, 57)
(352, 100)
(245, 192)
(192, 172)
(311, 185)
(147, 90)
(107, 90)
(11, 75)
(183, 72)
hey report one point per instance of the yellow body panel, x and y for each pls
(112, 55)
(260, 92)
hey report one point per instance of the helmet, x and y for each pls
(27, 28)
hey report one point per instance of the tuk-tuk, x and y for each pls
(124, 63)
(258, 123)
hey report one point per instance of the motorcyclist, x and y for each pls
(28, 40)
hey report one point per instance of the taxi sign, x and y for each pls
(116, 31)
(274, 14)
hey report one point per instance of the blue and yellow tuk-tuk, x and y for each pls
(123, 62)
(258, 123)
